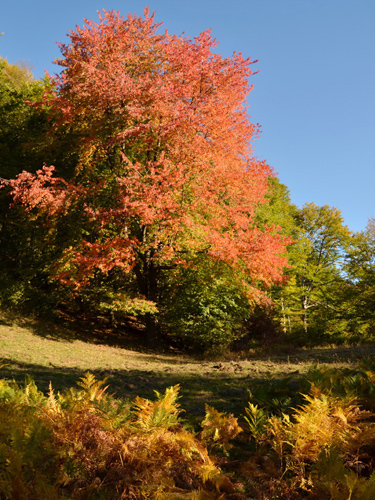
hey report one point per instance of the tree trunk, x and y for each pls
(304, 312)
(153, 332)
(148, 283)
(284, 315)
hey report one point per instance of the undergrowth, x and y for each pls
(86, 444)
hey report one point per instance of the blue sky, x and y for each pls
(314, 95)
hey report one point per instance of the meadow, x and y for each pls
(48, 353)
(92, 417)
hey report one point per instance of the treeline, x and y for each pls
(130, 190)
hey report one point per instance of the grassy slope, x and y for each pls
(58, 355)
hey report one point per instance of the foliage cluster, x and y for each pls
(320, 446)
(327, 296)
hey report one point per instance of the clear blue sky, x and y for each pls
(314, 96)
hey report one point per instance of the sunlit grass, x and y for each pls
(48, 353)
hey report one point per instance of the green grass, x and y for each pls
(61, 355)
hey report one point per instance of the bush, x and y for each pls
(204, 308)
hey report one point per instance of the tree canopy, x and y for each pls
(165, 168)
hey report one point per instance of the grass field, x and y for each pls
(61, 355)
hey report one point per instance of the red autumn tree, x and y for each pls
(166, 166)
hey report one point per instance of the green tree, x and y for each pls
(359, 295)
(27, 139)
(310, 297)
(278, 211)
(22, 127)
(205, 305)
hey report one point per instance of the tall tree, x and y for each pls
(26, 141)
(359, 296)
(22, 131)
(310, 295)
(166, 169)
(21, 127)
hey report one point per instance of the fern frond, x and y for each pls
(257, 420)
(92, 388)
(219, 428)
(53, 405)
(164, 412)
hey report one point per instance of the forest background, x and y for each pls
(142, 221)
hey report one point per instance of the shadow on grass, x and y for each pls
(99, 334)
(90, 332)
(5, 322)
(97, 331)
(226, 392)
(325, 355)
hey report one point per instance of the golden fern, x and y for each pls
(93, 389)
(324, 426)
(219, 428)
(164, 412)
(257, 421)
(68, 444)
(324, 422)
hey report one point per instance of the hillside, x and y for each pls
(61, 355)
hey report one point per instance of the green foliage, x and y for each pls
(309, 304)
(348, 383)
(22, 128)
(19, 132)
(358, 297)
(28, 138)
(123, 304)
(277, 395)
(27, 247)
(205, 306)
(328, 296)
(257, 420)
(278, 211)
(331, 477)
